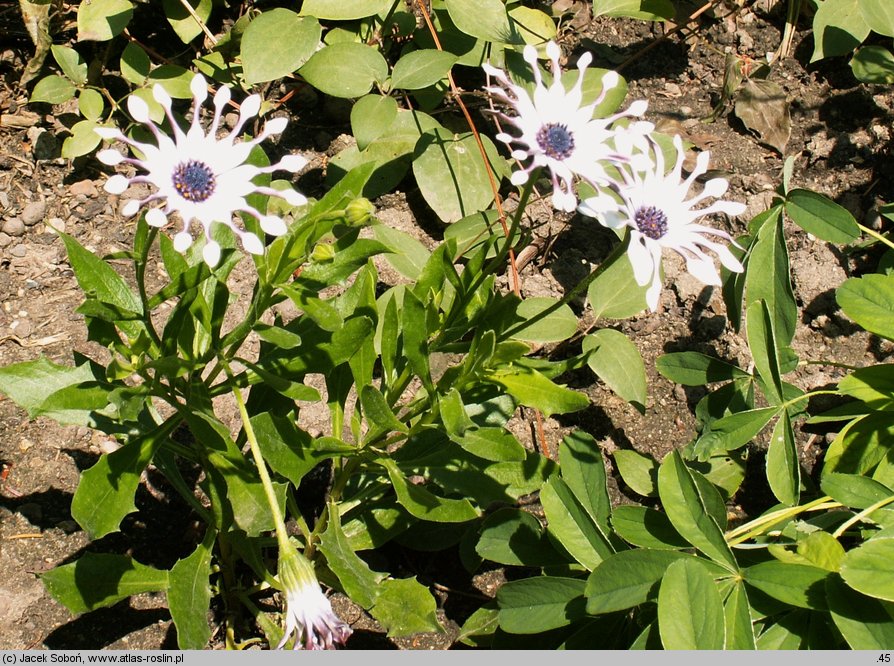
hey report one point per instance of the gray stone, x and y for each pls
(19, 251)
(5, 239)
(34, 212)
(13, 226)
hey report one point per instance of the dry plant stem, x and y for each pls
(791, 20)
(679, 28)
(192, 12)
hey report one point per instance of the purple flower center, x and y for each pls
(556, 141)
(651, 221)
(194, 181)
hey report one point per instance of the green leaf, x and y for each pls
(861, 444)
(695, 369)
(71, 63)
(737, 615)
(83, 139)
(484, 19)
(377, 411)
(646, 10)
(345, 69)
(879, 16)
(854, 490)
(762, 343)
(614, 294)
(646, 528)
(869, 568)
(98, 580)
(338, 10)
(408, 256)
(559, 324)
(515, 537)
(483, 622)
(571, 526)
(583, 470)
(822, 217)
(638, 471)
(189, 596)
(864, 622)
(873, 64)
(277, 43)
(99, 280)
(838, 28)
(768, 279)
(100, 20)
(105, 493)
(682, 500)
(135, 64)
(182, 21)
(532, 389)
(421, 503)
(628, 578)
(869, 301)
(422, 68)
(371, 116)
(358, 581)
(783, 469)
(822, 550)
(690, 611)
(788, 632)
(91, 106)
(405, 607)
(29, 384)
(451, 174)
(733, 431)
(495, 444)
(617, 362)
(874, 385)
(52, 89)
(535, 605)
(534, 26)
(798, 585)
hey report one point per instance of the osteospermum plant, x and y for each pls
(425, 375)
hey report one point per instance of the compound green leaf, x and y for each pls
(571, 526)
(690, 611)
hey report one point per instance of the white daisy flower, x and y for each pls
(655, 208)
(560, 134)
(198, 176)
(309, 615)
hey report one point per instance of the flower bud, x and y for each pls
(323, 253)
(359, 212)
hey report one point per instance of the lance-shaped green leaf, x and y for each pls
(864, 622)
(534, 605)
(869, 568)
(407, 256)
(31, 383)
(690, 611)
(762, 343)
(495, 444)
(572, 526)
(739, 623)
(629, 578)
(638, 471)
(515, 537)
(532, 389)
(377, 411)
(771, 281)
(733, 431)
(583, 470)
(415, 338)
(783, 470)
(405, 607)
(821, 216)
(695, 369)
(105, 493)
(189, 595)
(97, 580)
(358, 581)
(860, 445)
(687, 511)
(646, 528)
(854, 490)
(798, 585)
(869, 301)
(422, 503)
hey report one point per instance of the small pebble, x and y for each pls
(13, 226)
(34, 212)
(5, 239)
(19, 251)
(84, 187)
(55, 224)
(24, 329)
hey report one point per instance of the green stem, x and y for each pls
(860, 516)
(282, 536)
(876, 235)
(759, 525)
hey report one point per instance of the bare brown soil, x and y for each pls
(841, 137)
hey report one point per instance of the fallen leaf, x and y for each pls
(762, 106)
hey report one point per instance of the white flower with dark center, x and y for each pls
(558, 132)
(198, 176)
(309, 615)
(655, 207)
